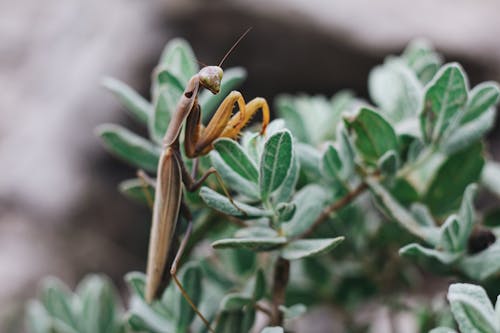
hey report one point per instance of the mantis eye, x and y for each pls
(210, 78)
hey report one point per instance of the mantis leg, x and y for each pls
(173, 273)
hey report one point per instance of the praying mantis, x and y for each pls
(172, 173)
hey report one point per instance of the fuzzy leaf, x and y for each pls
(57, 301)
(137, 190)
(422, 59)
(37, 318)
(444, 96)
(224, 205)
(235, 301)
(293, 311)
(420, 252)
(287, 188)
(374, 135)
(472, 309)
(469, 133)
(448, 185)
(483, 264)
(234, 156)
(396, 90)
(490, 177)
(483, 97)
(191, 281)
(254, 244)
(234, 180)
(304, 248)
(134, 103)
(130, 147)
(229, 322)
(259, 286)
(179, 58)
(309, 201)
(273, 329)
(275, 162)
(164, 107)
(98, 305)
(388, 163)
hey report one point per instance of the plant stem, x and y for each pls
(280, 281)
(334, 207)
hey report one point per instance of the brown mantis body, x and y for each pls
(172, 172)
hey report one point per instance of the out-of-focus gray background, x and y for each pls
(60, 212)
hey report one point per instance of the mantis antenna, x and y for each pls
(234, 45)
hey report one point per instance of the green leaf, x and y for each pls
(346, 153)
(374, 136)
(224, 205)
(451, 239)
(482, 98)
(422, 59)
(229, 322)
(445, 95)
(130, 147)
(442, 330)
(235, 301)
(191, 281)
(275, 162)
(143, 318)
(490, 177)
(388, 163)
(273, 329)
(164, 107)
(286, 109)
(482, 265)
(256, 232)
(259, 286)
(293, 311)
(398, 212)
(234, 156)
(396, 90)
(309, 160)
(459, 170)
(304, 248)
(234, 180)
(98, 304)
(285, 211)
(233, 78)
(310, 202)
(179, 58)
(472, 309)
(136, 282)
(137, 190)
(248, 320)
(417, 251)
(37, 318)
(287, 188)
(331, 164)
(138, 107)
(57, 301)
(469, 133)
(254, 244)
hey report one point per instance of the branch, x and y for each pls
(280, 281)
(348, 198)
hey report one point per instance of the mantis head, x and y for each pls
(210, 78)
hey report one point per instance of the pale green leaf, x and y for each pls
(275, 162)
(235, 208)
(374, 136)
(472, 309)
(254, 244)
(234, 156)
(445, 95)
(134, 103)
(130, 147)
(304, 248)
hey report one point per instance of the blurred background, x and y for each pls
(60, 212)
